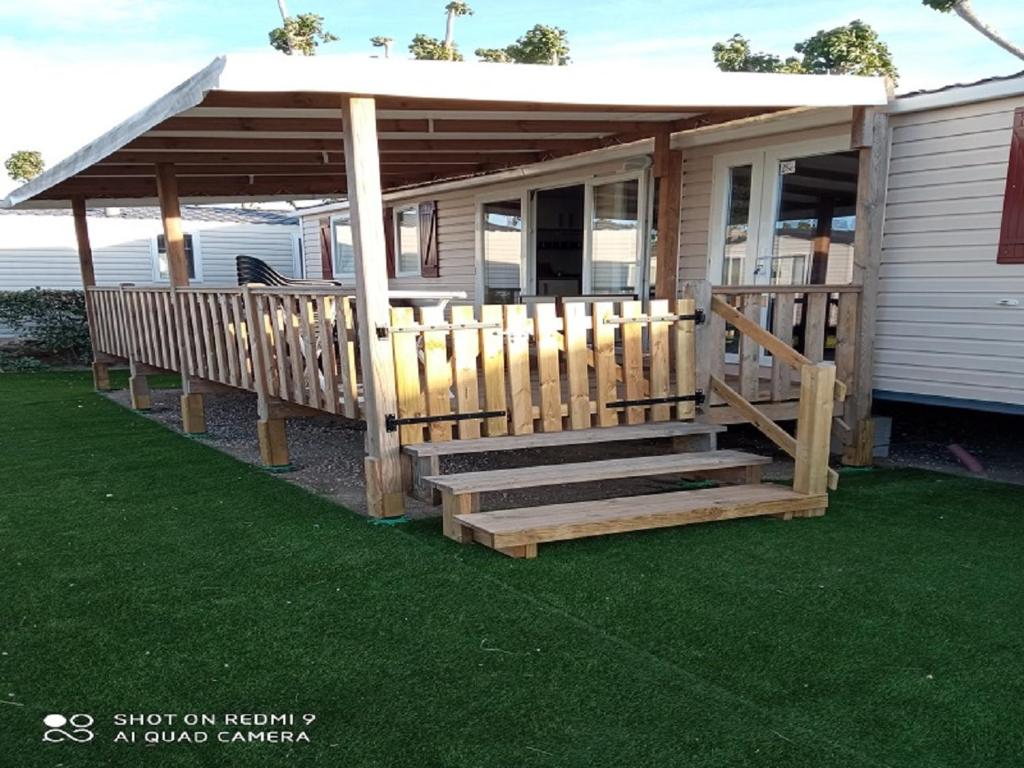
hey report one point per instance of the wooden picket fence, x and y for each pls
(570, 367)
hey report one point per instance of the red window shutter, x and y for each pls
(326, 248)
(1011, 236)
(429, 261)
(389, 240)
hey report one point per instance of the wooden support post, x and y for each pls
(383, 466)
(668, 175)
(100, 371)
(814, 429)
(138, 387)
(273, 437)
(461, 504)
(193, 415)
(704, 352)
(867, 256)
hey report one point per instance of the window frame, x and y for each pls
(197, 259)
(396, 213)
(336, 219)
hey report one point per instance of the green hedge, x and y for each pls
(50, 324)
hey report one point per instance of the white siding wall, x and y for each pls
(456, 227)
(940, 330)
(39, 251)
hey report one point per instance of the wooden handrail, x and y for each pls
(767, 339)
(768, 427)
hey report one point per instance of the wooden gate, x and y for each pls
(497, 370)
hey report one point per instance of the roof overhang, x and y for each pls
(270, 127)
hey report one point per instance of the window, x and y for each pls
(162, 270)
(502, 251)
(1011, 233)
(343, 254)
(407, 241)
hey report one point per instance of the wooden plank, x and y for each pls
(716, 343)
(593, 471)
(279, 328)
(307, 332)
(408, 390)
(328, 352)
(293, 319)
(633, 360)
(437, 374)
(576, 364)
(668, 172)
(252, 307)
(750, 350)
(660, 364)
(547, 327)
(267, 323)
(345, 325)
(210, 370)
(621, 433)
(782, 329)
(241, 326)
(517, 352)
(604, 363)
(556, 522)
(811, 474)
(815, 322)
(846, 339)
(492, 344)
(384, 489)
(465, 353)
(230, 332)
(684, 357)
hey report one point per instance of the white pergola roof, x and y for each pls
(268, 126)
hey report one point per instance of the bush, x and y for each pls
(13, 362)
(49, 323)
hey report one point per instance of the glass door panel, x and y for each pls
(737, 235)
(502, 251)
(615, 237)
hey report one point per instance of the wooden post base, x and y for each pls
(273, 443)
(138, 387)
(193, 414)
(861, 450)
(414, 469)
(101, 376)
(463, 504)
(380, 503)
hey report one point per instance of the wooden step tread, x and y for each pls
(566, 437)
(509, 528)
(589, 471)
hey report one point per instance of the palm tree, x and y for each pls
(383, 42)
(454, 9)
(963, 9)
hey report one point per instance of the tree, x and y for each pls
(383, 42)
(299, 34)
(452, 10)
(24, 165)
(540, 45)
(853, 49)
(963, 9)
(427, 47)
(734, 55)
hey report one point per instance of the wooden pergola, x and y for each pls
(264, 128)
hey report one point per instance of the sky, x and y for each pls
(74, 68)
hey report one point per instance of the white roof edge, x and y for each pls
(958, 95)
(539, 84)
(184, 96)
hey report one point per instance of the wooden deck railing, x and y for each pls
(818, 323)
(298, 346)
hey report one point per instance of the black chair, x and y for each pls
(251, 270)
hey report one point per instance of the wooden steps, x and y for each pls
(517, 532)
(422, 460)
(591, 471)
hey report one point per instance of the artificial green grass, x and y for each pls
(143, 572)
